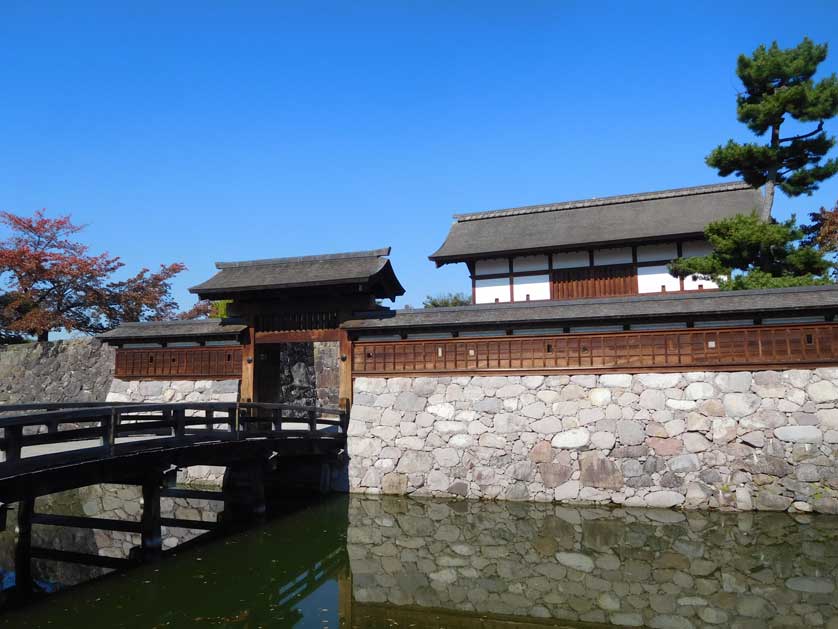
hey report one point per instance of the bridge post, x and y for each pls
(23, 548)
(244, 491)
(151, 545)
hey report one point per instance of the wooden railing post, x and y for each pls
(109, 428)
(14, 443)
(180, 423)
(312, 421)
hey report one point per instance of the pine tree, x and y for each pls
(751, 253)
(778, 85)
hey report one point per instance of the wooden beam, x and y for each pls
(247, 385)
(299, 336)
(345, 371)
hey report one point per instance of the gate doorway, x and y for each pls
(304, 373)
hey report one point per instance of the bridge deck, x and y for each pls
(47, 448)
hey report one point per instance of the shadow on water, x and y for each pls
(399, 562)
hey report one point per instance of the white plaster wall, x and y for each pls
(651, 278)
(492, 266)
(536, 286)
(693, 248)
(653, 253)
(696, 284)
(613, 255)
(571, 259)
(529, 263)
(486, 291)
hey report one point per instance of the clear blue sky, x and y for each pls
(203, 131)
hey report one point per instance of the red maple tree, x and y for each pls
(54, 283)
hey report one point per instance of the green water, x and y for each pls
(398, 562)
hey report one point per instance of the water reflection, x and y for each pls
(396, 562)
(628, 567)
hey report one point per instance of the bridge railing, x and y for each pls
(68, 432)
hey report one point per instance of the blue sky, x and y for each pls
(203, 131)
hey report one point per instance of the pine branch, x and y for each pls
(805, 135)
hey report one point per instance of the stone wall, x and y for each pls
(765, 440)
(180, 391)
(625, 567)
(78, 370)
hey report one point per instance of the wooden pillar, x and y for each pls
(345, 371)
(152, 535)
(247, 388)
(23, 548)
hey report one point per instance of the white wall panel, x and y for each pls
(651, 279)
(662, 251)
(691, 284)
(492, 266)
(614, 255)
(535, 286)
(487, 291)
(529, 263)
(571, 259)
(693, 248)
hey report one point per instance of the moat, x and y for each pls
(357, 561)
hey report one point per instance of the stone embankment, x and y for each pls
(78, 370)
(765, 440)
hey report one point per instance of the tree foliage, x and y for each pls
(751, 253)
(54, 282)
(779, 85)
(446, 300)
(822, 232)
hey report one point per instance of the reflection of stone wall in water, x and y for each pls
(78, 370)
(118, 502)
(629, 567)
(743, 440)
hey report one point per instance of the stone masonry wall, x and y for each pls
(77, 370)
(739, 441)
(180, 391)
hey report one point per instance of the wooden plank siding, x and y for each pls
(291, 320)
(596, 281)
(182, 363)
(691, 349)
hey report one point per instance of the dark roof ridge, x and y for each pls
(372, 253)
(597, 201)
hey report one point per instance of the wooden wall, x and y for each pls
(182, 363)
(690, 349)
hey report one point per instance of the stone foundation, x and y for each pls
(737, 441)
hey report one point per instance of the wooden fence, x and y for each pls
(763, 347)
(183, 363)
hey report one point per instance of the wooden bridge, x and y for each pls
(55, 447)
